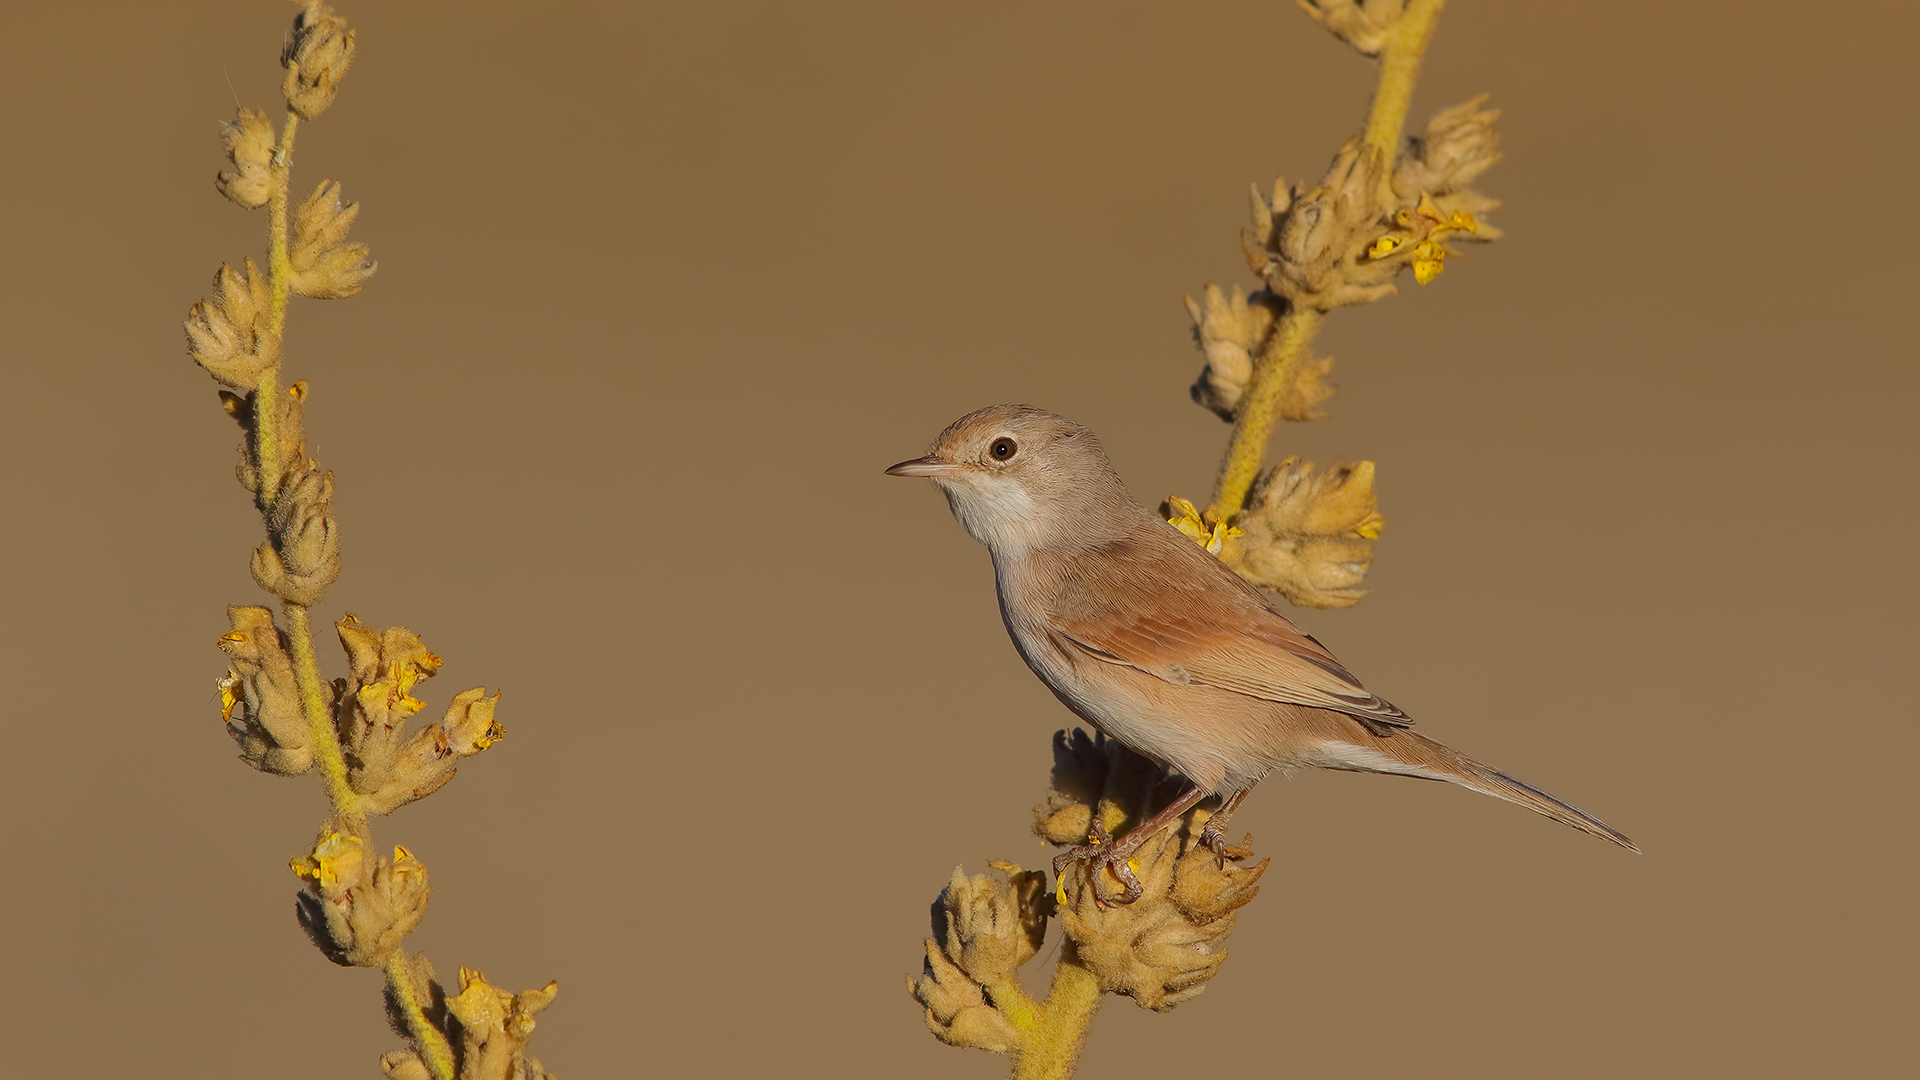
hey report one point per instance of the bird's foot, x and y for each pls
(1103, 852)
(1213, 836)
(1214, 839)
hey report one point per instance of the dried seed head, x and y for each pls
(1363, 24)
(1318, 255)
(1309, 536)
(992, 926)
(1231, 332)
(301, 557)
(249, 142)
(957, 1011)
(223, 334)
(1161, 949)
(356, 906)
(326, 265)
(984, 929)
(1458, 145)
(268, 724)
(318, 51)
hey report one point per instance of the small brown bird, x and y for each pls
(1157, 643)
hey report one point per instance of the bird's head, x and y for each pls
(1020, 478)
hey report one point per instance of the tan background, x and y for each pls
(661, 292)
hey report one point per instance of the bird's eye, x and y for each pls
(1003, 449)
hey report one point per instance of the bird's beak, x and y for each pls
(923, 466)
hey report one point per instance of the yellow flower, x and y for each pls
(1190, 521)
(334, 859)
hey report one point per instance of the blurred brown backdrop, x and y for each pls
(663, 288)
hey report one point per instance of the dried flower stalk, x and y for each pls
(1159, 950)
(355, 904)
(1386, 204)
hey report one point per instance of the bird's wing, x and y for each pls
(1221, 637)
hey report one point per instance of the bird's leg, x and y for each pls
(1214, 836)
(1106, 853)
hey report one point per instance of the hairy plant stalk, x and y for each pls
(1261, 413)
(313, 702)
(1399, 68)
(280, 289)
(434, 1048)
(1051, 1045)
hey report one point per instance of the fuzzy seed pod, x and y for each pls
(249, 142)
(301, 557)
(326, 265)
(1231, 332)
(1458, 145)
(270, 725)
(357, 906)
(318, 51)
(1363, 24)
(1309, 536)
(223, 334)
(1161, 949)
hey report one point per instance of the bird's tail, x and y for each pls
(1412, 754)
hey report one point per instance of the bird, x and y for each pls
(1154, 641)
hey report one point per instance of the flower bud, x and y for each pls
(1318, 255)
(1363, 24)
(270, 727)
(249, 142)
(1309, 536)
(326, 265)
(223, 334)
(1458, 145)
(984, 929)
(301, 557)
(318, 51)
(356, 906)
(1230, 333)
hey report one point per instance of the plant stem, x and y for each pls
(1051, 1047)
(1254, 428)
(1399, 68)
(266, 398)
(432, 1045)
(320, 731)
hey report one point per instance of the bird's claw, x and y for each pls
(1104, 854)
(1215, 840)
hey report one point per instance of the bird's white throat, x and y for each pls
(998, 511)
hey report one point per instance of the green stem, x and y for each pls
(1399, 69)
(320, 731)
(266, 398)
(1050, 1048)
(1261, 412)
(432, 1045)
